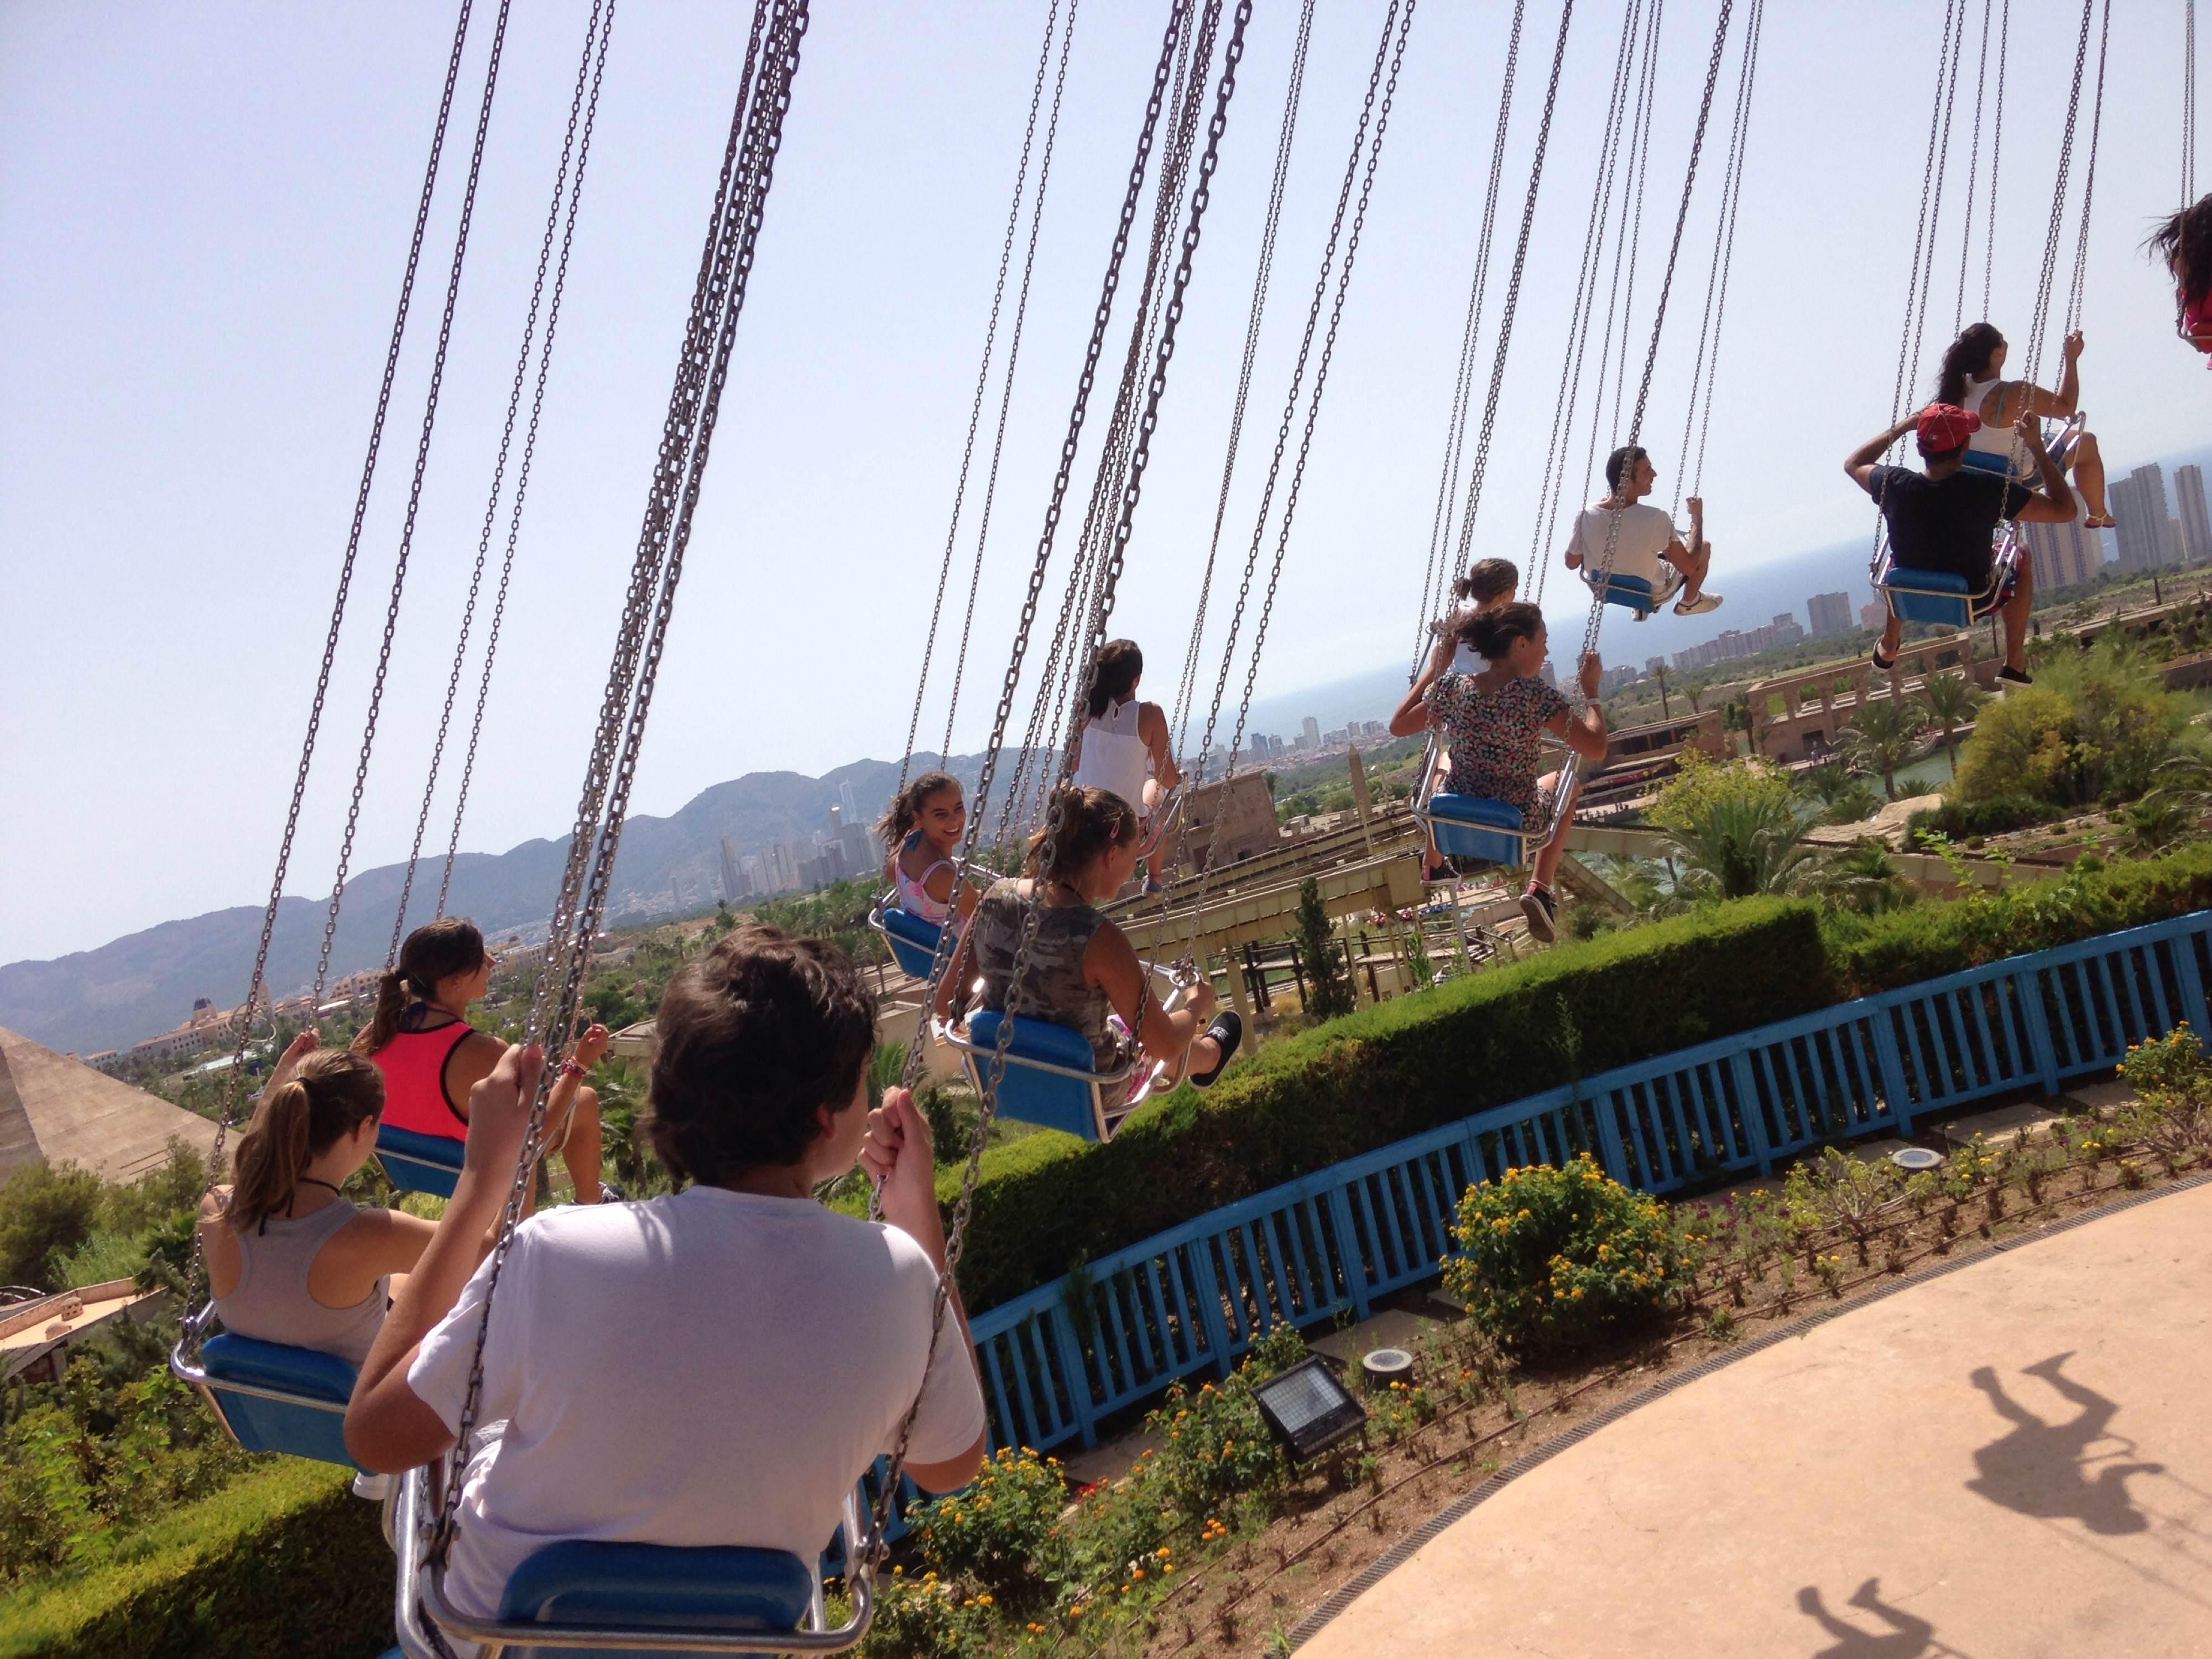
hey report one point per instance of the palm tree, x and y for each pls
(1881, 737)
(1742, 844)
(1861, 877)
(1844, 797)
(1951, 699)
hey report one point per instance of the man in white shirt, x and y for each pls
(1645, 542)
(720, 1364)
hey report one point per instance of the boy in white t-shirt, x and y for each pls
(1646, 541)
(719, 1365)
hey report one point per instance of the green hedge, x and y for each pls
(284, 1561)
(1047, 1201)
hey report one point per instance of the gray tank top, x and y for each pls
(271, 1301)
(1053, 984)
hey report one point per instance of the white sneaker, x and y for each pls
(1698, 606)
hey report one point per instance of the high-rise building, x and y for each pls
(1310, 732)
(1830, 613)
(733, 883)
(2138, 501)
(2196, 527)
(2065, 555)
(851, 804)
(1873, 614)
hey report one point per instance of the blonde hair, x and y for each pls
(333, 1090)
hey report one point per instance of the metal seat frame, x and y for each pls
(1569, 771)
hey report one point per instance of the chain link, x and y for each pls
(1717, 277)
(2074, 295)
(2047, 277)
(1973, 170)
(1996, 151)
(234, 1083)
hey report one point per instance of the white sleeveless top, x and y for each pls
(1114, 757)
(2000, 441)
(914, 890)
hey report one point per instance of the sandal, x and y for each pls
(1227, 1031)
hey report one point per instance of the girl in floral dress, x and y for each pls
(1493, 723)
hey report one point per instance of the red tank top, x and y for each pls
(414, 1068)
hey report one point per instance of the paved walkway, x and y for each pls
(2009, 1462)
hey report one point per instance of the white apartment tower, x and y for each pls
(2196, 527)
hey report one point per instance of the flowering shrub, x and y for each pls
(1212, 1442)
(1554, 1259)
(998, 1530)
(2172, 1066)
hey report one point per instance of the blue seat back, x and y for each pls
(1476, 827)
(1034, 1096)
(1949, 605)
(278, 1425)
(657, 1587)
(913, 941)
(416, 1162)
(1632, 592)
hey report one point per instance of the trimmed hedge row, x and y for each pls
(285, 1561)
(1047, 1203)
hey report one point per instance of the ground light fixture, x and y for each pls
(1307, 1409)
(1913, 1158)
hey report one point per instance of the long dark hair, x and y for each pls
(1492, 633)
(1113, 674)
(325, 1099)
(1967, 359)
(437, 949)
(905, 809)
(2185, 242)
(1085, 821)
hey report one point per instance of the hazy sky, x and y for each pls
(206, 210)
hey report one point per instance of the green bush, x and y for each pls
(285, 1561)
(1390, 1070)
(997, 1529)
(2094, 727)
(1553, 1260)
(1997, 815)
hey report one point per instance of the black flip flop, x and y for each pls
(1227, 1030)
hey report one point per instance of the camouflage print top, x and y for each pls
(1054, 986)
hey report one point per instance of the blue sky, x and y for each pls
(207, 208)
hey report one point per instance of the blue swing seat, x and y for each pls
(1051, 1077)
(1475, 827)
(1633, 592)
(601, 1586)
(416, 1162)
(273, 1397)
(913, 941)
(1939, 597)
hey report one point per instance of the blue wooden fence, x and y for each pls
(1059, 1358)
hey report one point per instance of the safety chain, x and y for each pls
(1659, 313)
(2188, 102)
(1554, 485)
(1973, 171)
(414, 507)
(1374, 150)
(1271, 225)
(2046, 278)
(1949, 99)
(1731, 197)
(2074, 295)
(522, 477)
(763, 100)
(1437, 579)
(585, 80)
(984, 378)
(233, 1084)
(1996, 150)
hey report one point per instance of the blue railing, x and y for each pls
(1060, 1357)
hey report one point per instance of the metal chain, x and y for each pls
(764, 99)
(1659, 313)
(584, 82)
(2188, 102)
(2074, 296)
(1647, 121)
(1553, 484)
(1754, 30)
(233, 1084)
(2046, 278)
(1996, 150)
(522, 475)
(1271, 226)
(1935, 211)
(1974, 168)
(1436, 579)
(414, 507)
(982, 382)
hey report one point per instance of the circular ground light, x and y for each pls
(1915, 1157)
(1387, 1366)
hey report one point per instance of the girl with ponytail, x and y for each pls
(920, 830)
(430, 1057)
(1123, 749)
(288, 1260)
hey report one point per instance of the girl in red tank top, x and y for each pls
(414, 1068)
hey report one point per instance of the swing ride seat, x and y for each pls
(1473, 827)
(913, 941)
(620, 1598)
(1632, 592)
(1943, 598)
(1051, 1077)
(269, 1396)
(416, 1162)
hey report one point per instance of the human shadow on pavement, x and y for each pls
(1909, 1636)
(2042, 1469)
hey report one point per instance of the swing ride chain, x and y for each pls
(414, 507)
(687, 435)
(1432, 592)
(1973, 170)
(1016, 999)
(1659, 313)
(2073, 297)
(1716, 276)
(1372, 146)
(982, 383)
(2048, 276)
(2188, 102)
(1271, 225)
(1996, 150)
(1950, 99)
(1007, 390)
(233, 1084)
(498, 482)
(529, 453)
(1585, 306)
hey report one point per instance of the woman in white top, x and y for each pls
(1971, 378)
(1643, 539)
(1124, 751)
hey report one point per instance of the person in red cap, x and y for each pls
(1945, 517)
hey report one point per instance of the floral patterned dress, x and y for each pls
(1494, 736)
